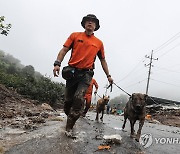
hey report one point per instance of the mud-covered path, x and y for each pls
(50, 138)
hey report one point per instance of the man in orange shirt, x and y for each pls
(85, 47)
(89, 95)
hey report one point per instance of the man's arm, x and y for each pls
(58, 61)
(106, 70)
(96, 86)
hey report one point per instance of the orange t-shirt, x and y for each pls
(84, 50)
(90, 88)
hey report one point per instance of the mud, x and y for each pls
(51, 139)
(28, 128)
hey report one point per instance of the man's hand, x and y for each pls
(56, 71)
(95, 92)
(110, 80)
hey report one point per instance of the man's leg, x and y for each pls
(70, 90)
(78, 101)
(77, 107)
(69, 94)
(88, 104)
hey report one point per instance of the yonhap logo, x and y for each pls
(146, 140)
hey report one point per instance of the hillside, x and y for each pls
(19, 112)
(29, 83)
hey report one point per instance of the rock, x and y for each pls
(45, 115)
(30, 113)
(15, 132)
(58, 118)
(38, 120)
(46, 106)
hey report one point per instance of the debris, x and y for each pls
(141, 152)
(70, 134)
(80, 136)
(117, 128)
(30, 113)
(44, 115)
(38, 119)
(113, 138)
(167, 115)
(102, 147)
(98, 137)
(58, 118)
(154, 121)
(148, 117)
(1, 150)
(14, 131)
(46, 106)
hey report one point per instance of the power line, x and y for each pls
(168, 70)
(134, 68)
(169, 50)
(166, 83)
(167, 42)
(135, 83)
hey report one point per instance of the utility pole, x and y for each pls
(149, 72)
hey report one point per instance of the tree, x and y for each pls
(12, 69)
(28, 70)
(4, 28)
(119, 102)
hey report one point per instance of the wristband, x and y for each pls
(108, 76)
(57, 63)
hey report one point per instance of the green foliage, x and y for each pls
(29, 83)
(12, 69)
(4, 28)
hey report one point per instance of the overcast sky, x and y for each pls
(130, 29)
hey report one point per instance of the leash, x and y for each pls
(98, 95)
(121, 89)
(118, 87)
(109, 87)
(127, 92)
(153, 100)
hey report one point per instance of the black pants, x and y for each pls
(74, 96)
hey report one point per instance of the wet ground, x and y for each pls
(50, 139)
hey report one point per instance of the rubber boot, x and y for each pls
(85, 111)
(70, 123)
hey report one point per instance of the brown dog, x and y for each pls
(135, 110)
(100, 107)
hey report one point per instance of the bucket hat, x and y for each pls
(92, 17)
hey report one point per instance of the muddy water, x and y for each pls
(50, 138)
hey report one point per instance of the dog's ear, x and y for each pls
(145, 97)
(133, 96)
